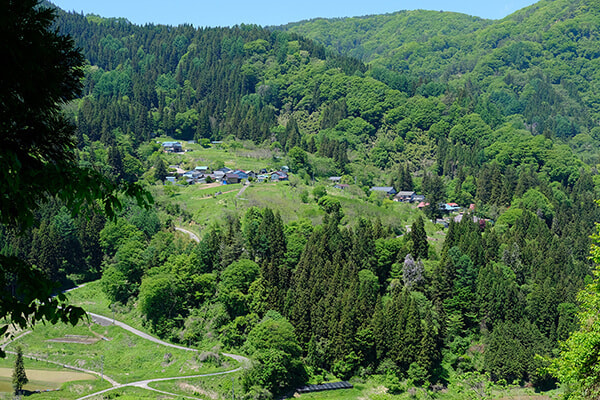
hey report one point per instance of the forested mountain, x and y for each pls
(499, 114)
(379, 37)
(540, 62)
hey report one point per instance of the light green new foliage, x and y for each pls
(579, 363)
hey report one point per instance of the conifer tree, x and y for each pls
(160, 170)
(434, 191)
(419, 239)
(19, 377)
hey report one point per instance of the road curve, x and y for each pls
(144, 384)
(191, 234)
(105, 321)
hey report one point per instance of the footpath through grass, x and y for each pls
(122, 355)
(46, 376)
(214, 387)
(92, 299)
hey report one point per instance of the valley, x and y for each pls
(405, 202)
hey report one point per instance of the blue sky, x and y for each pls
(269, 12)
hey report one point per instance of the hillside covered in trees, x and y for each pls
(539, 62)
(499, 114)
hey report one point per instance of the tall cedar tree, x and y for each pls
(435, 193)
(19, 377)
(418, 236)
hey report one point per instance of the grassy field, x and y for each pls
(205, 206)
(92, 299)
(124, 356)
(249, 158)
(46, 376)
(216, 387)
(131, 393)
(42, 379)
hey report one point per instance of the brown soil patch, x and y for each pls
(51, 376)
(196, 389)
(209, 185)
(75, 339)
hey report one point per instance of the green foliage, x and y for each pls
(577, 365)
(435, 193)
(453, 107)
(37, 157)
(19, 377)
(319, 191)
(511, 351)
(159, 301)
(276, 352)
(419, 239)
(234, 285)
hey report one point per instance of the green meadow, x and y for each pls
(122, 356)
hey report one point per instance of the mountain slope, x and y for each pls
(545, 53)
(372, 37)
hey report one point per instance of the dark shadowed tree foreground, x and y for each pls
(41, 71)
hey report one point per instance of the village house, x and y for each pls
(193, 174)
(241, 174)
(389, 190)
(342, 186)
(230, 179)
(218, 176)
(172, 147)
(449, 207)
(224, 170)
(262, 178)
(404, 196)
(279, 176)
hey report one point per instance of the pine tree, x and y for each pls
(419, 239)
(19, 377)
(435, 192)
(160, 170)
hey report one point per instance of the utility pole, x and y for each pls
(232, 388)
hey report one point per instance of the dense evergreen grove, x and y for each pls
(475, 115)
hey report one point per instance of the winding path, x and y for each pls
(191, 234)
(243, 189)
(105, 321)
